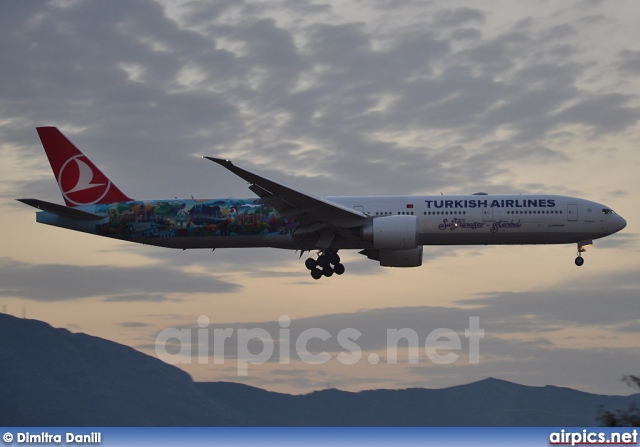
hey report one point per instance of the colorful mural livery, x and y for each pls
(191, 218)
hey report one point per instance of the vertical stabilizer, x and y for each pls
(80, 181)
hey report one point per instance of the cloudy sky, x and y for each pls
(334, 98)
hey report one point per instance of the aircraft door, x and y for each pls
(572, 212)
(487, 214)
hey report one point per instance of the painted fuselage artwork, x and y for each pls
(190, 218)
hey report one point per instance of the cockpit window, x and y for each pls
(607, 211)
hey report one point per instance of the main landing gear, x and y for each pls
(327, 264)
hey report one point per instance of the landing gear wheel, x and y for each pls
(310, 263)
(326, 264)
(579, 261)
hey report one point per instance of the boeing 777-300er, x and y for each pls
(389, 229)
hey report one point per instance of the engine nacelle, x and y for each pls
(401, 258)
(397, 232)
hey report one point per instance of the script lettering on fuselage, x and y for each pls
(495, 226)
(482, 203)
(503, 224)
(459, 223)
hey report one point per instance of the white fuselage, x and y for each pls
(496, 219)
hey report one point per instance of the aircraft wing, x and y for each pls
(313, 211)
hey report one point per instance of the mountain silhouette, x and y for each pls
(489, 402)
(52, 377)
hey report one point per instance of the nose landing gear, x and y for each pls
(327, 264)
(582, 247)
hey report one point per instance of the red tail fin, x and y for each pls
(80, 181)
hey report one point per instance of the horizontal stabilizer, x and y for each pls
(61, 210)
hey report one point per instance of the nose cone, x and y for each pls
(620, 223)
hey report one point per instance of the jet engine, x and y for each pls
(401, 258)
(397, 232)
(396, 258)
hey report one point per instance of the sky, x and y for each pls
(332, 98)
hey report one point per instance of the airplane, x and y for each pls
(389, 229)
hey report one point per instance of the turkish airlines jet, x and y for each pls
(389, 229)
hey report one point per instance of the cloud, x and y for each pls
(521, 343)
(501, 315)
(619, 241)
(604, 113)
(457, 17)
(134, 324)
(563, 307)
(151, 89)
(58, 282)
(629, 62)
